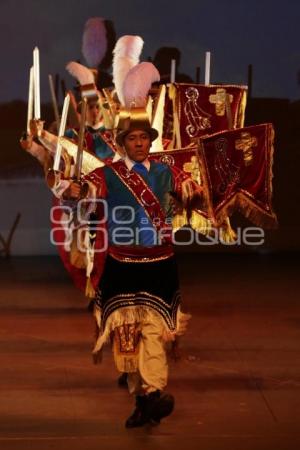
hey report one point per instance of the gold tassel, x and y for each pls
(249, 209)
(241, 111)
(256, 214)
(89, 289)
(227, 233)
(179, 220)
(77, 257)
(200, 223)
(197, 221)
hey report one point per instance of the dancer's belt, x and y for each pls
(139, 254)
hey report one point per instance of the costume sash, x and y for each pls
(143, 194)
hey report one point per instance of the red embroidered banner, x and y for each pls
(236, 167)
(208, 109)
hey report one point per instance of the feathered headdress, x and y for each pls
(127, 52)
(137, 84)
(94, 41)
(133, 114)
(85, 78)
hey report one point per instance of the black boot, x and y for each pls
(150, 408)
(122, 380)
(163, 407)
(137, 418)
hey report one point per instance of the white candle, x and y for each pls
(173, 70)
(37, 98)
(61, 132)
(207, 68)
(30, 100)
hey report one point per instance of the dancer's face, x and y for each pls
(93, 114)
(137, 144)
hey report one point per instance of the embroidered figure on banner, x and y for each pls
(193, 168)
(229, 173)
(197, 118)
(219, 100)
(167, 159)
(246, 143)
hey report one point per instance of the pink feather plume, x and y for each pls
(137, 84)
(94, 41)
(127, 53)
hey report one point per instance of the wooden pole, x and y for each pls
(198, 72)
(63, 87)
(250, 80)
(56, 86)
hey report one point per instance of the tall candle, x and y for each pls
(207, 68)
(37, 98)
(30, 100)
(173, 70)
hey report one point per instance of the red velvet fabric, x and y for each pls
(237, 165)
(202, 111)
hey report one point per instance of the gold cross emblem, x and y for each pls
(193, 168)
(219, 100)
(246, 144)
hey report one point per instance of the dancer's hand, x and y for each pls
(73, 192)
(190, 189)
(36, 127)
(26, 142)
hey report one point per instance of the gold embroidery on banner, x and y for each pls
(193, 168)
(219, 100)
(246, 144)
(259, 213)
(167, 159)
(197, 118)
(228, 172)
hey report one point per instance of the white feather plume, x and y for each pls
(94, 41)
(80, 72)
(129, 46)
(127, 53)
(137, 84)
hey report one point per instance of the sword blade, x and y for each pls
(61, 132)
(81, 140)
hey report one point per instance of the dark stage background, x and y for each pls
(238, 33)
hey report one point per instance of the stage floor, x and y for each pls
(237, 385)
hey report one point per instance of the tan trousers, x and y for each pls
(152, 373)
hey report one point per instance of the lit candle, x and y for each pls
(173, 70)
(30, 100)
(37, 98)
(61, 132)
(207, 68)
